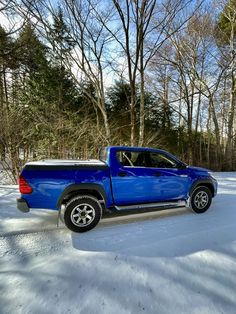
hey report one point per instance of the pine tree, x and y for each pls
(60, 39)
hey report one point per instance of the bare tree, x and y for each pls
(86, 61)
(228, 33)
(143, 29)
(195, 78)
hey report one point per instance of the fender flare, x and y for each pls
(202, 182)
(80, 187)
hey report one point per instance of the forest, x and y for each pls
(77, 75)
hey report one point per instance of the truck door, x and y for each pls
(143, 177)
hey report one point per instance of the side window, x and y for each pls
(125, 158)
(143, 159)
(134, 159)
(162, 161)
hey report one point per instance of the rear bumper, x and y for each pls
(22, 205)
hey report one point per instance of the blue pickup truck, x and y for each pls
(123, 179)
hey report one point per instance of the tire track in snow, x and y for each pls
(107, 221)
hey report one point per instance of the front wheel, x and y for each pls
(201, 199)
(82, 213)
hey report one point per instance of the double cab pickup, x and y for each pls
(122, 179)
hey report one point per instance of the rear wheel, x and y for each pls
(201, 199)
(82, 213)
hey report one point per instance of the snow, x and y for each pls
(4, 178)
(172, 261)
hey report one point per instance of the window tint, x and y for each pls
(162, 161)
(145, 159)
(134, 159)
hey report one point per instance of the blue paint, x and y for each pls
(139, 185)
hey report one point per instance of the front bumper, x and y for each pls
(22, 205)
(215, 185)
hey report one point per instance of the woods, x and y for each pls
(78, 75)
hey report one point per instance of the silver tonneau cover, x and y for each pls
(66, 162)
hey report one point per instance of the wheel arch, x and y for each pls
(205, 183)
(73, 190)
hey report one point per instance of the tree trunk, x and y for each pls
(105, 121)
(217, 134)
(142, 91)
(132, 114)
(229, 142)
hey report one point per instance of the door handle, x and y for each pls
(157, 174)
(122, 174)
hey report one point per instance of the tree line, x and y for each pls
(77, 75)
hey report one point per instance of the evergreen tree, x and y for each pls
(227, 20)
(119, 98)
(31, 51)
(60, 39)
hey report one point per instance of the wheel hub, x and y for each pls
(201, 199)
(82, 215)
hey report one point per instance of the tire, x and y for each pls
(82, 213)
(201, 199)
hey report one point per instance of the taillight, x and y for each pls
(24, 187)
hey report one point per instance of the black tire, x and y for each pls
(201, 199)
(82, 213)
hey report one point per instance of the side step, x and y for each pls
(153, 205)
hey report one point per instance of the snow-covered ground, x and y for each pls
(168, 262)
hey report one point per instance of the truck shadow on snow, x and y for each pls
(174, 235)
